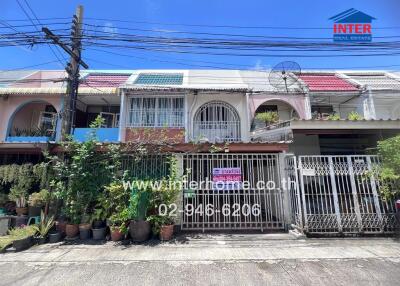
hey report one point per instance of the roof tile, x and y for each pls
(326, 82)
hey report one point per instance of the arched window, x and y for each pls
(217, 121)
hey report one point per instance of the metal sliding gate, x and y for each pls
(248, 207)
(338, 194)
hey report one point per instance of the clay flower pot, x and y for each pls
(61, 226)
(116, 234)
(21, 211)
(72, 230)
(166, 232)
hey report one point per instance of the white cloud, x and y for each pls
(110, 28)
(259, 65)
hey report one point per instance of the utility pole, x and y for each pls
(70, 98)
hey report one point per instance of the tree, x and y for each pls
(389, 170)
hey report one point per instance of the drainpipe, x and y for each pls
(189, 113)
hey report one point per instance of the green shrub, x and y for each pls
(334, 117)
(269, 117)
(354, 116)
(46, 223)
(39, 199)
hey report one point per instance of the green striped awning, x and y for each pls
(159, 79)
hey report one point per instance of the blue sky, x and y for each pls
(288, 13)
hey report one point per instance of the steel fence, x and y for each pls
(207, 208)
(340, 194)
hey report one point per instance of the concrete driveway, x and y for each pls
(272, 259)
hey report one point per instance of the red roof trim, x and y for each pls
(325, 82)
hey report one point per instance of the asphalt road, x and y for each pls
(212, 260)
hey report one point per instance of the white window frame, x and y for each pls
(175, 117)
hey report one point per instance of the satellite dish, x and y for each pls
(283, 75)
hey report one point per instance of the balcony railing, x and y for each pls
(102, 134)
(279, 131)
(217, 131)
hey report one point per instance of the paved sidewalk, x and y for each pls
(275, 259)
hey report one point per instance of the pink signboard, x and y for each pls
(227, 178)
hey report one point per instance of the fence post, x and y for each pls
(303, 195)
(354, 192)
(334, 193)
(374, 191)
(287, 212)
(297, 191)
(179, 200)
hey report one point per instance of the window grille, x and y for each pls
(156, 112)
(217, 121)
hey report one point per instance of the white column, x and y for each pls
(307, 106)
(122, 117)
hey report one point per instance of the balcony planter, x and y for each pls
(139, 230)
(28, 139)
(55, 236)
(22, 244)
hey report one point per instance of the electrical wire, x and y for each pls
(29, 18)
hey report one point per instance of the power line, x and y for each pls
(27, 15)
(238, 66)
(27, 67)
(215, 34)
(223, 26)
(33, 13)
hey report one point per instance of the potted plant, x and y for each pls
(22, 237)
(139, 227)
(72, 211)
(99, 227)
(163, 226)
(43, 228)
(84, 227)
(37, 201)
(268, 117)
(19, 194)
(54, 236)
(115, 200)
(165, 196)
(118, 225)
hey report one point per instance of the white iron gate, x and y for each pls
(246, 207)
(340, 194)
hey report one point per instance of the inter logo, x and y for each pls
(352, 26)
